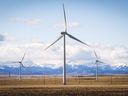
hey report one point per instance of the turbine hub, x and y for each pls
(20, 62)
(62, 33)
(97, 60)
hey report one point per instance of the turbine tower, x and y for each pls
(20, 64)
(97, 61)
(63, 34)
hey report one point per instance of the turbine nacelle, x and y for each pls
(63, 33)
(20, 62)
(99, 61)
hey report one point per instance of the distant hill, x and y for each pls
(78, 69)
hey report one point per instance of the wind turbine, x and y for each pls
(63, 34)
(97, 61)
(20, 64)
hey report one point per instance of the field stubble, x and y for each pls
(76, 86)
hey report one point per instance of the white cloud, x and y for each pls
(2, 38)
(73, 24)
(115, 55)
(53, 57)
(32, 21)
(69, 24)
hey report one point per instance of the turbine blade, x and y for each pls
(97, 60)
(77, 39)
(22, 65)
(23, 56)
(95, 54)
(65, 21)
(54, 42)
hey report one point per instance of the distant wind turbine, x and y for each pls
(20, 64)
(97, 61)
(63, 34)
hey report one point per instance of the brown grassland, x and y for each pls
(76, 86)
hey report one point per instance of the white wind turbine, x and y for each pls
(63, 34)
(97, 61)
(20, 64)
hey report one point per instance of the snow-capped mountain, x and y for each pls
(80, 69)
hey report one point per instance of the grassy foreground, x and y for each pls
(57, 80)
(67, 90)
(52, 86)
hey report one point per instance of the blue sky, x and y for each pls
(102, 21)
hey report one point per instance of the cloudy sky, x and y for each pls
(33, 24)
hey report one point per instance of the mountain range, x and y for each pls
(80, 69)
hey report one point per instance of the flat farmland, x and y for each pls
(76, 86)
(71, 80)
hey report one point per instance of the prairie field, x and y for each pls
(76, 86)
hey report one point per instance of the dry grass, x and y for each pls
(76, 86)
(65, 91)
(56, 80)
